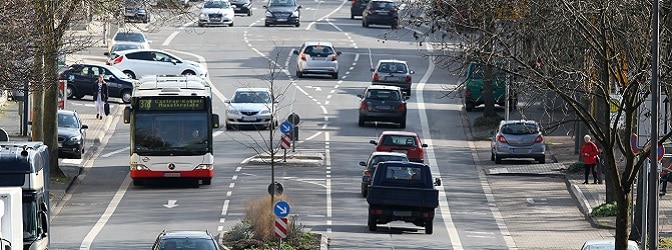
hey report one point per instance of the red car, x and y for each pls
(401, 141)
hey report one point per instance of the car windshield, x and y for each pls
(282, 3)
(252, 97)
(216, 5)
(383, 94)
(520, 129)
(67, 121)
(187, 243)
(129, 37)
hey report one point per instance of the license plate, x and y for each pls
(383, 107)
(282, 19)
(402, 213)
(171, 174)
(236, 8)
(391, 78)
(249, 119)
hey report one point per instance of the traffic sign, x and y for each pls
(278, 188)
(286, 127)
(294, 118)
(281, 209)
(661, 151)
(284, 141)
(280, 228)
(633, 143)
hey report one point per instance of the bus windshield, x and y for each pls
(171, 133)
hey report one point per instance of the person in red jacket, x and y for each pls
(589, 153)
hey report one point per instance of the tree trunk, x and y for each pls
(622, 218)
(487, 93)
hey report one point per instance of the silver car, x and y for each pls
(394, 73)
(251, 107)
(518, 139)
(317, 58)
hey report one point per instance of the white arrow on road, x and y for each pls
(282, 209)
(171, 204)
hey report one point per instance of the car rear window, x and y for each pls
(520, 129)
(403, 173)
(382, 5)
(382, 158)
(319, 50)
(383, 95)
(129, 37)
(392, 68)
(399, 140)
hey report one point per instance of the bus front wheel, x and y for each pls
(207, 181)
(137, 182)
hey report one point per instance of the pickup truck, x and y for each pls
(403, 191)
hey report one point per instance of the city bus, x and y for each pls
(171, 124)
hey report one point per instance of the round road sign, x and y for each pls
(278, 188)
(286, 127)
(294, 118)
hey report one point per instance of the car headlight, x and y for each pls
(75, 139)
(203, 16)
(269, 14)
(265, 112)
(232, 112)
(295, 13)
(203, 167)
(136, 166)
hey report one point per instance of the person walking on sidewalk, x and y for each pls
(100, 94)
(589, 153)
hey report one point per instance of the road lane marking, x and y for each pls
(109, 211)
(115, 152)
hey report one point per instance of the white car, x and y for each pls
(606, 245)
(317, 58)
(141, 62)
(130, 36)
(216, 13)
(251, 107)
(121, 46)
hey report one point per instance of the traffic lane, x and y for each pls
(541, 214)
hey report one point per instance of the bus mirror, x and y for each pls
(127, 115)
(215, 120)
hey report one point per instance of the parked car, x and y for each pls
(130, 36)
(357, 8)
(372, 162)
(251, 107)
(216, 13)
(518, 139)
(82, 79)
(140, 62)
(242, 6)
(473, 87)
(401, 142)
(606, 245)
(381, 12)
(71, 135)
(136, 11)
(403, 191)
(382, 103)
(286, 12)
(121, 46)
(317, 58)
(394, 73)
(185, 239)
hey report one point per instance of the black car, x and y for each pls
(357, 8)
(382, 103)
(242, 6)
(192, 239)
(71, 135)
(372, 162)
(135, 12)
(381, 12)
(82, 79)
(283, 12)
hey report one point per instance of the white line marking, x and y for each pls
(115, 152)
(215, 134)
(72, 161)
(225, 207)
(109, 211)
(170, 38)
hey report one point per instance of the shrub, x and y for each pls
(606, 209)
(487, 122)
(575, 167)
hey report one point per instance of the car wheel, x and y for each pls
(492, 156)
(498, 160)
(297, 24)
(334, 75)
(126, 96)
(228, 126)
(206, 181)
(429, 227)
(231, 25)
(299, 74)
(267, 24)
(129, 74)
(469, 106)
(352, 16)
(372, 223)
(362, 121)
(188, 73)
(78, 96)
(365, 24)
(541, 160)
(249, 12)
(70, 92)
(200, 25)
(137, 182)
(364, 190)
(402, 123)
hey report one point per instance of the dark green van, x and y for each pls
(473, 87)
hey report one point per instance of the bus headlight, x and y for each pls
(203, 167)
(138, 167)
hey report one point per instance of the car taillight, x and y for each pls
(333, 58)
(467, 94)
(377, 211)
(118, 60)
(367, 173)
(500, 138)
(363, 105)
(401, 107)
(540, 138)
(303, 56)
(375, 76)
(408, 78)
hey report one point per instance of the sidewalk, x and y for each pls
(560, 156)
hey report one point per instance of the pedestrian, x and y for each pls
(100, 94)
(589, 153)
(665, 176)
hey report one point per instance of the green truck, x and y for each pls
(473, 87)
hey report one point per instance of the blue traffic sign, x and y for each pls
(281, 209)
(286, 127)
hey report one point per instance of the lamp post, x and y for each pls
(652, 213)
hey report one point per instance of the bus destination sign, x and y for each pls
(172, 104)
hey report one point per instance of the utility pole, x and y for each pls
(653, 171)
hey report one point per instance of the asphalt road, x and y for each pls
(105, 211)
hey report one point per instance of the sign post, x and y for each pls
(295, 120)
